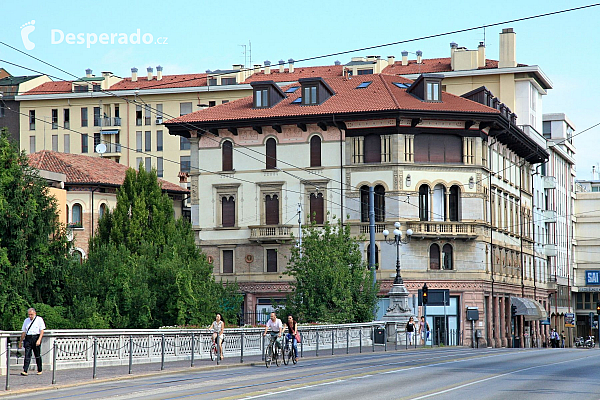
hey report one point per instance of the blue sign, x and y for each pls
(592, 277)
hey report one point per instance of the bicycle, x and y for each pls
(272, 352)
(214, 351)
(288, 352)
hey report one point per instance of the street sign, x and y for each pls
(436, 297)
(592, 277)
(569, 320)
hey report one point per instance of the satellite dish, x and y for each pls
(101, 148)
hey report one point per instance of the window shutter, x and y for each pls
(315, 151)
(271, 161)
(227, 155)
(453, 149)
(316, 208)
(271, 260)
(228, 261)
(372, 149)
(272, 210)
(436, 148)
(421, 144)
(434, 257)
(228, 211)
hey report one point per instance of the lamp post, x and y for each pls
(397, 240)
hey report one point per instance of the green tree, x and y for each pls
(34, 250)
(331, 281)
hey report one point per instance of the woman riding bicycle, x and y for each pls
(275, 328)
(292, 326)
(217, 327)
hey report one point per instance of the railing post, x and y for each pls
(360, 340)
(317, 350)
(332, 339)
(95, 357)
(242, 348)
(193, 349)
(162, 352)
(384, 339)
(301, 345)
(7, 386)
(262, 347)
(54, 348)
(347, 340)
(373, 337)
(130, 352)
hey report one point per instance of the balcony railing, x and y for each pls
(443, 229)
(263, 233)
(113, 147)
(362, 228)
(111, 121)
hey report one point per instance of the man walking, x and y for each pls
(31, 338)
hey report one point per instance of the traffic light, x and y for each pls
(513, 311)
(598, 307)
(424, 291)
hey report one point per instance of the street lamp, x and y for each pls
(398, 241)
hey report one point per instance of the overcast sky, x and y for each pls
(209, 35)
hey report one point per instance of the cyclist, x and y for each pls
(275, 328)
(218, 327)
(292, 326)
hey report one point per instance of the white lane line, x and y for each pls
(494, 377)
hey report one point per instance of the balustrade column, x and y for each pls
(447, 206)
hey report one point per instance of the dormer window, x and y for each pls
(433, 91)
(310, 95)
(266, 94)
(315, 91)
(427, 87)
(365, 71)
(261, 98)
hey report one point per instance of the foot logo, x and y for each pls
(26, 29)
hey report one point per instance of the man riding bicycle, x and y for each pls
(275, 329)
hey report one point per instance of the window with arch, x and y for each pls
(376, 256)
(102, 210)
(379, 203)
(271, 153)
(434, 256)
(227, 211)
(78, 255)
(76, 217)
(315, 151)
(439, 202)
(317, 209)
(272, 209)
(454, 203)
(227, 155)
(424, 203)
(364, 203)
(447, 257)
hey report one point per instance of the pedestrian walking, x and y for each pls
(410, 330)
(31, 338)
(424, 330)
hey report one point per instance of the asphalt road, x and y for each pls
(448, 373)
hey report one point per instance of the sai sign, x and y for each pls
(592, 277)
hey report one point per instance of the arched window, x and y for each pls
(315, 151)
(424, 203)
(379, 203)
(227, 155)
(228, 211)
(372, 145)
(447, 257)
(271, 160)
(376, 256)
(76, 219)
(317, 212)
(434, 257)
(439, 202)
(364, 203)
(102, 210)
(272, 210)
(78, 255)
(454, 203)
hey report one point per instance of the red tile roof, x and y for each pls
(431, 65)
(81, 169)
(326, 71)
(381, 95)
(167, 81)
(52, 87)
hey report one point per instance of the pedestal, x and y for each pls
(397, 314)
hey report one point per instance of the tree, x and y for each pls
(331, 281)
(144, 269)
(34, 250)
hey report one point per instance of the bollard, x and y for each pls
(95, 357)
(360, 340)
(438, 337)
(347, 340)
(332, 340)
(406, 338)
(130, 352)
(262, 348)
(54, 349)
(193, 349)
(317, 352)
(373, 338)
(384, 339)
(7, 386)
(242, 349)
(162, 352)
(301, 345)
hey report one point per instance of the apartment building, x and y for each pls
(319, 143)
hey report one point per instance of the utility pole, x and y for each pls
(372, 233)
(300, 228)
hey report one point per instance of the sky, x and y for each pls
(192, 37)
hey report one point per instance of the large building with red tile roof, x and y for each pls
(315, 146)
(91, 184)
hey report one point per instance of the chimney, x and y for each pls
(508, 50)
(281, 66)
(419, 56)
(237, 67)
(150, 71)
(391, 60)
(158, 73)
(405, 57)
(134, 74)
(267, 67)
(481, 55)
(257, 68)
(453, 47)
(337, 62)
(88, 73)
(372, 58)
(291, 65)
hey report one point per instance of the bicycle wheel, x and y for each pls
(277, 355)
(286, 355)
(268, 355)
(212, 351)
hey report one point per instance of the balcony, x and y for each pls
(549, 182)
(548, 216)
(439, 229)
(109, 121)
(550, 250)
(362, 228)
(270, 233)
(113, 149)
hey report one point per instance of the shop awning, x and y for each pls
(529, 308)
(110, 132)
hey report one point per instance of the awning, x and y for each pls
(531, 309)
(110, 132)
